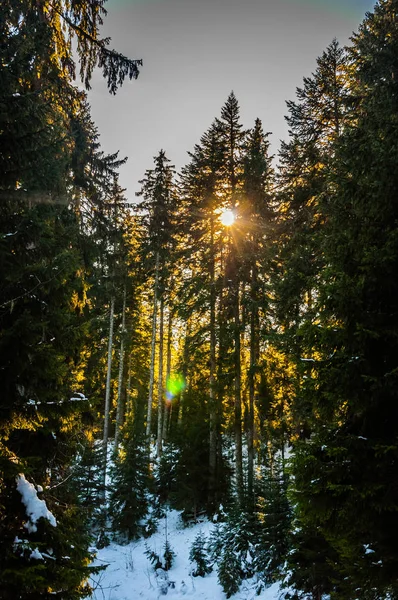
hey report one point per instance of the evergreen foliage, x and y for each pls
(229, 572)
(168, 556)
(43, 556)
(191, 477)
(166, 476)
(343, 485)
(154, 558)
(274, 522)
(50, 29)
(87, 482)
(166, 562)
(53, 177)
(131, 483)
(198, 555)
(282, 328)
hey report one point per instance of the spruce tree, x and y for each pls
(43, 283)
(198, 555)
(199, 190)
(229, 575)
(233, 137)
(49, 153)
(257, 214)
(52, 27)
(158, 207)
(360, 294)
(315, 120)
(343, 473)
(130, 483)
(273, 512)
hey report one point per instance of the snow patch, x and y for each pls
(36, 554)
(129, 574)
(35, 508)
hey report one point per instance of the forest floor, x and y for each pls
(130, 575)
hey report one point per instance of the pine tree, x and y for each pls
(189, 479)
(316, 121)
(198, 555)
(168, 556)
(45, 290)
(159, 203)
(42, 549)
(87, 480)
(343, 475)
(360, 294)
(233, 138)
(229, 575)
(273, 513)
(257, 214)
(130, 483)
(49, 153)
(51, 27)
(200, 186)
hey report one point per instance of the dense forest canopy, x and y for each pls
(193, 361)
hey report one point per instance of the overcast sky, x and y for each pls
(195, 52)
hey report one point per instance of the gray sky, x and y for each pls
(195, 52)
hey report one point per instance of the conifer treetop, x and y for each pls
(56, 25)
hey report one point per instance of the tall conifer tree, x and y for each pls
(158, 208)
(233, 137)
(257, 213)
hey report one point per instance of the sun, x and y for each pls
(227, 217)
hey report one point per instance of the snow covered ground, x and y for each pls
(130, 575)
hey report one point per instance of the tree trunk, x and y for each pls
(160, 382)
(153, 348)
(237, 397)
(129, 404)
(222, 348)
(120, 404)
(184, 370)
(254, 355)
(108, 392)
(212, 366)
(167, 404)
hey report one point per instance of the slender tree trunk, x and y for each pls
(129, 404)
(237, 333)
(184, 370)
(220, 387)
(160, 382)
(212, 391)
(167, 404)
(237, 397)
(254, 353)
(153, 348)
(108, 391)
(120, 404)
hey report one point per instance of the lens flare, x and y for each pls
(174, 385)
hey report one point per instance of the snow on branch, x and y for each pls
(78, 397)
(35, 508)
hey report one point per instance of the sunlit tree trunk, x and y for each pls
(153, 348)
(160, 381)
(253, 363)
(234, 138)
(120, 404)
(212, 391)
(220, 318)
(238, 396)
(108, 391)
(129, 404)
(185, 370)
(167, 404)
